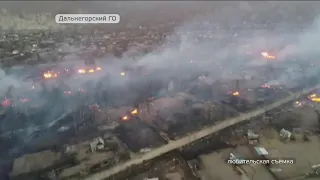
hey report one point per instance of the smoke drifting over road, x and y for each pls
(215, 45)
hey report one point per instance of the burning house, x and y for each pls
(249, 96)
(124, 121)
(202, 89)
(314, 97)
(108, 115)
(181, 114)
(237, 100)
(152, 107)
(138, 135)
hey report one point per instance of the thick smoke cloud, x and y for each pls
(209, 48)
(214, 44)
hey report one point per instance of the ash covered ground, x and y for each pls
(198, 69)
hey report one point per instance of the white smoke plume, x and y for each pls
(214, 43)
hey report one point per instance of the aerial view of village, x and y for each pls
(174, 91)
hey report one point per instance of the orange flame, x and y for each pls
(98, 69)
(49, 75)
(298, 103)
(123, 74)
(125, 118)
(91, 71)
(82, 71)
(314, 98)
(236, 93)
(135, 111)
(266, 55)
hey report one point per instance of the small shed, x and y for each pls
(97, 144)
(285, 133)
(70, 149)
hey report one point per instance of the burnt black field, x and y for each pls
(23, 133)
(38, 129)
(264, 96)
(186, 123)
(41, 137)
(137, 135)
